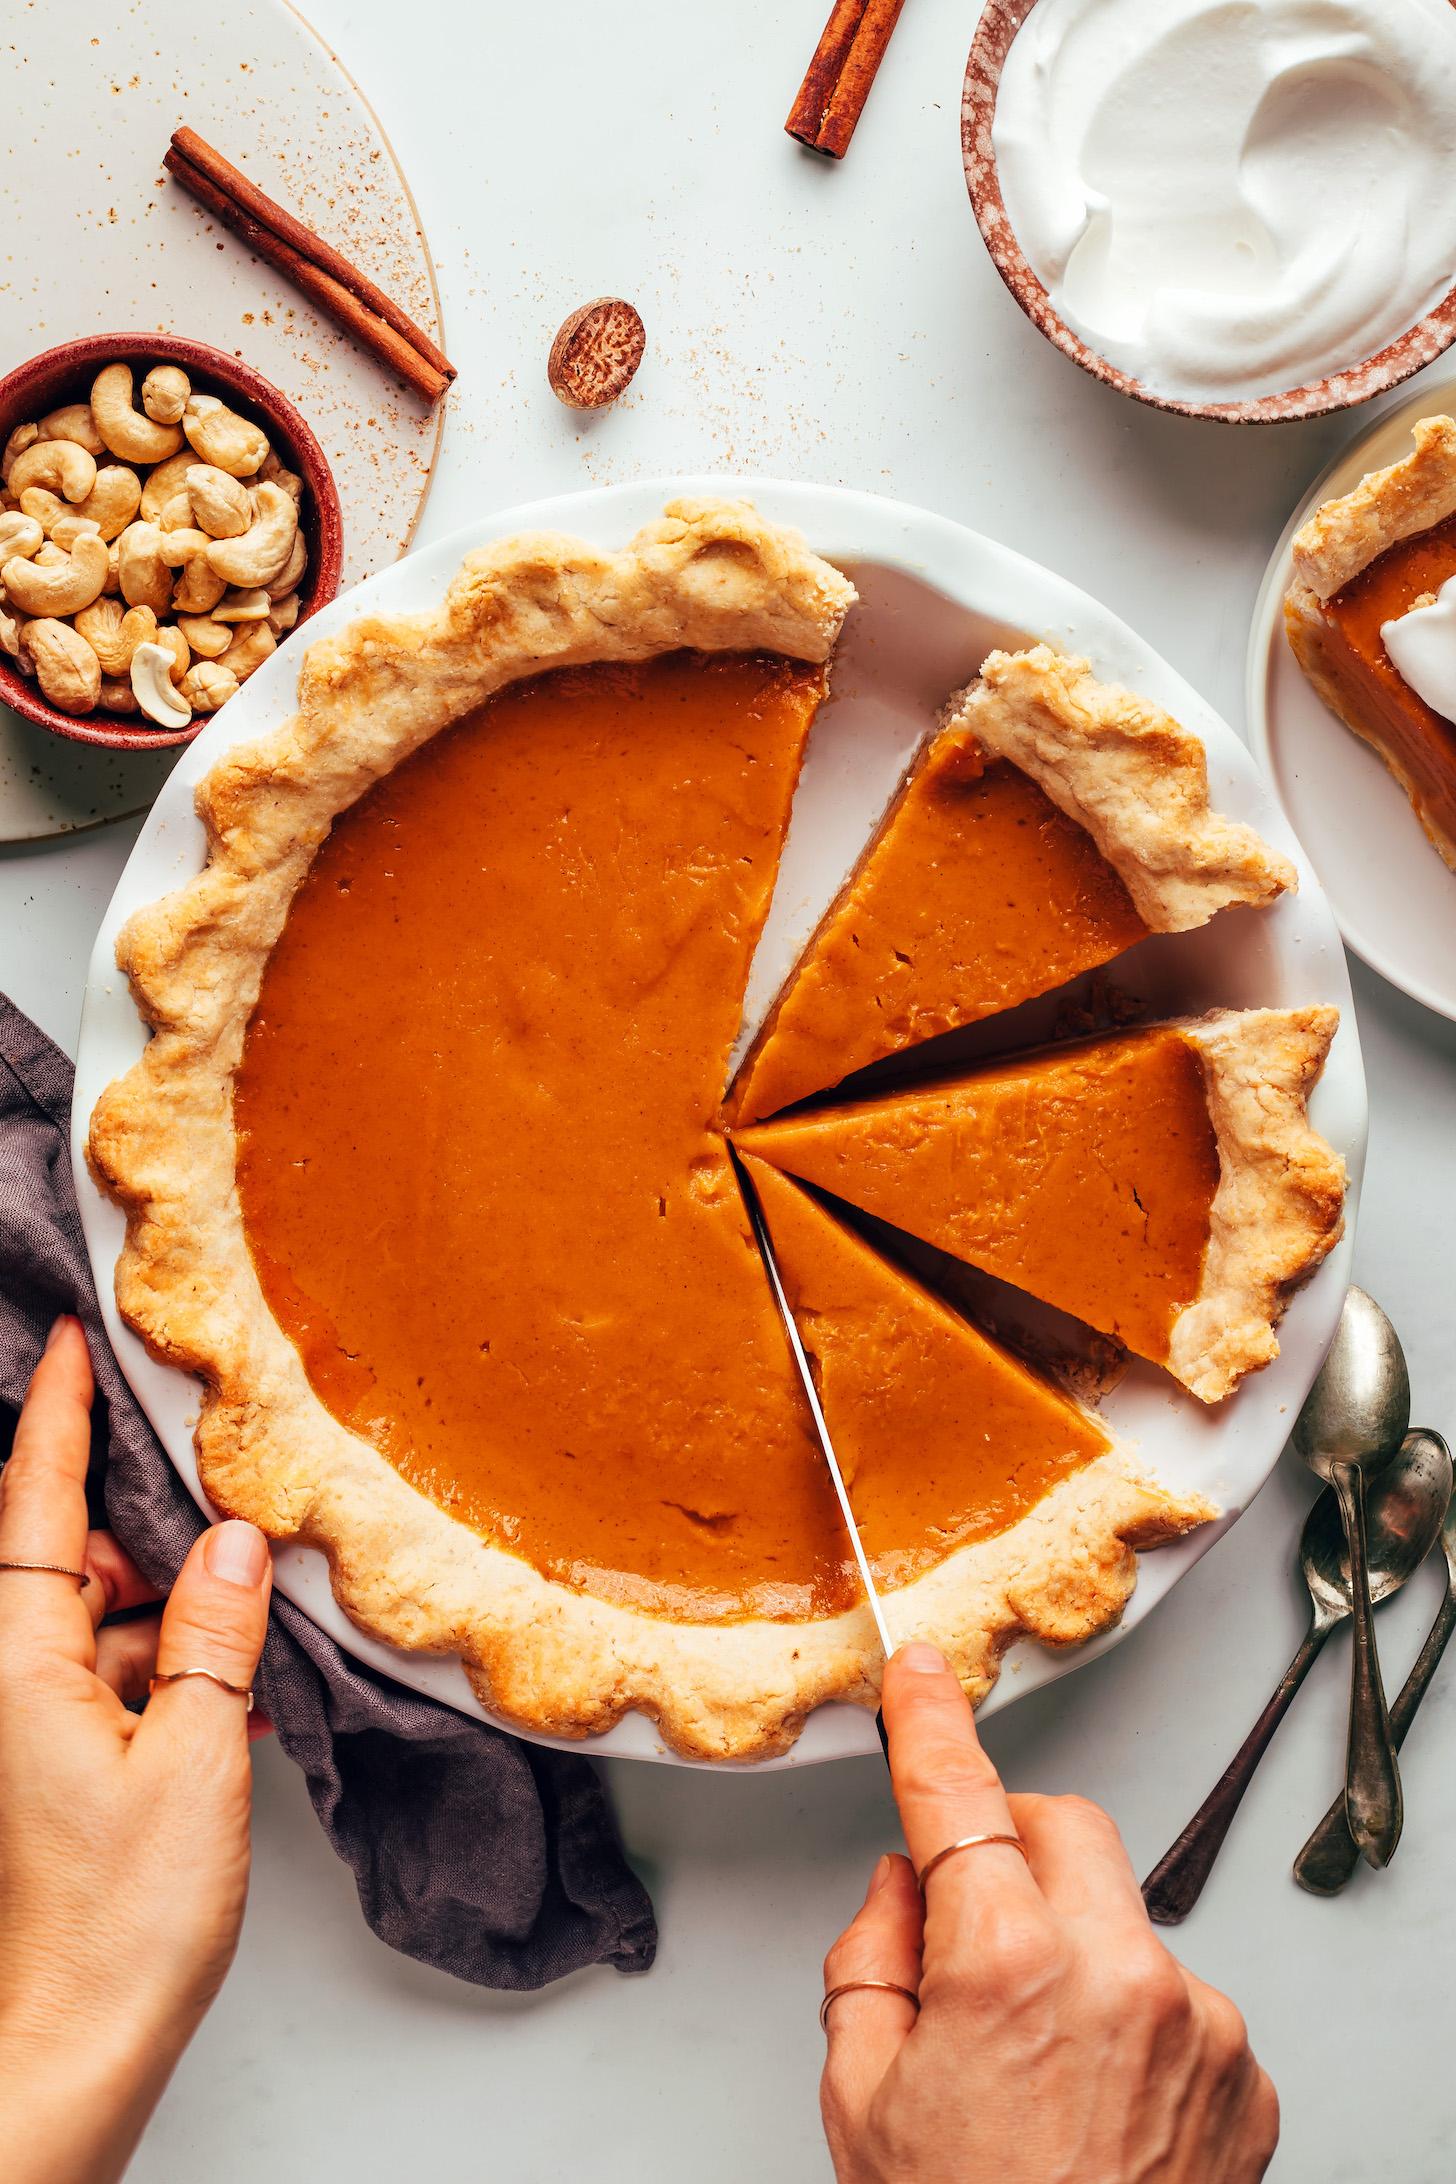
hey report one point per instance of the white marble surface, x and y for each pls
(836, 324)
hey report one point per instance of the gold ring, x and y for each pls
(968, 1842)
(849, 1986)
(53, 1569)
(176, 1675)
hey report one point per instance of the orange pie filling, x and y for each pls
(477, 1167)
(943, 1437)
(977, 894)
(1084, 1174)
(1416, 741)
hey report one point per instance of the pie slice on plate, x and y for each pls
(1052, 822)
(988, 1502)
(1371, 616)
(1164, 1185)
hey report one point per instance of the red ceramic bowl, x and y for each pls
(1339, 390)
(65, 375)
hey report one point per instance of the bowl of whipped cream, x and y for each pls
(1236, 209)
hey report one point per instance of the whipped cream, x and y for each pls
(1422, 649)
(1231, 198)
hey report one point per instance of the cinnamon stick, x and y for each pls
(339, 289)
(831, 98)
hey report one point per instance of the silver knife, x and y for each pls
(811, 1397)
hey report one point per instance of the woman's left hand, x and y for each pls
(124, 1838)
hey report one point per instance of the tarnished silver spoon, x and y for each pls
(1330, 1856)
(1407, 1503)
(1353, 1421)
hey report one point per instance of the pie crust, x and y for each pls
(710, 576)
(1336, 546)
(1131, 775)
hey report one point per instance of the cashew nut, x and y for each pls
(221, 504)
(21, 438)
(74, 422)
(146, 581)
(12, 640)
(127, 431)
(162, 483)
(117, 695)
(19, 534)
(290, 576)
(223, 438)
(198, 589)
(249, 649)
(68, 528)
(209, 685)
(113, 500)
(60, 464)
(272, 472)
(47, 592)
(242, 606)
(177, 515)
(43, 507)
(283, 614)
(113, 632)
(164, 393)
(111, 589)
(208, 639)
(179, 547)
(153, 688)
(262, 553)
(172, 642)
(51, 556)
(66, 668)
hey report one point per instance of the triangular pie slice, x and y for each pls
(1374, 580)
(1052, 822)
(962, 1464)
(1164, 1185)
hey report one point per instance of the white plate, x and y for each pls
(935, 599)
(1394, 899)
(109, 246)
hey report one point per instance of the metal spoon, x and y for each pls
(1353, 1421)
(1406, 1507)
(1330, 1856)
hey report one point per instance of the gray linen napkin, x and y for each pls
(486, 1857)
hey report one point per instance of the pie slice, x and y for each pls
(1371, 616)
(962, 1465)
(1164, 1185)
(1050, 823)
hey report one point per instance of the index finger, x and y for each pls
(43, 1503)
(945, 1785)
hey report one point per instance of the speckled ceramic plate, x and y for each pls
(95, 237)
(934, 599)
(1393, 897)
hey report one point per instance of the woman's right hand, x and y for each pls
(1057, 2040)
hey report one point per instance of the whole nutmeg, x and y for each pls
(596, 353)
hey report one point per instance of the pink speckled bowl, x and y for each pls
(1339, 390)
(65, 375)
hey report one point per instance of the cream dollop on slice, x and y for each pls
(1231, 200)
(1422, 648)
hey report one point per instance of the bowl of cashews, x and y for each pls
(166, 518)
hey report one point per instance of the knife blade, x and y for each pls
(816, 1411)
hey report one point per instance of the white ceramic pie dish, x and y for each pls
(934, 599)
(1394, 899)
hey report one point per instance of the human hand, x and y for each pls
(1057, 2041)
(123, 1838)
